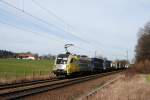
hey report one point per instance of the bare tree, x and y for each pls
(143, 45)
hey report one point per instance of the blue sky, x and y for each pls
(108, 27)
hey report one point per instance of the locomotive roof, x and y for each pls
(97, 58)
(63, 55)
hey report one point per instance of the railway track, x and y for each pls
(12, 92)
(15, 85)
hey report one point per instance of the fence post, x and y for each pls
(33, 74)
(15, 77)
(5, 75)
(49, 74)
(25, 74)
(39, 73)
(0, 75)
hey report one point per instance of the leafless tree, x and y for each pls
(143, 45)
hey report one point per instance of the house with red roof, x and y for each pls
(25, 56)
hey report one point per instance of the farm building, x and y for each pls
(25, 56)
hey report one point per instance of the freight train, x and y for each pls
(70, 64)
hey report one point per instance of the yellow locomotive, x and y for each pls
(68, 64)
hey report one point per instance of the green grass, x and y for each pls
(148, 78)
(17, 67)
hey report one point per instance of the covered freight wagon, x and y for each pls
(97, 64)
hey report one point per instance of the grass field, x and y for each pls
(148, 78)
(18, 68)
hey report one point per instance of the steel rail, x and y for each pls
(15, 85)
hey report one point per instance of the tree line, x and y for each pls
(7, 54)
(142, 50)
(10, 54)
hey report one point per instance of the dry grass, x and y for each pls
(26, 78)
(124, 89)
(142, 67)
(148, 78)
(129, 73)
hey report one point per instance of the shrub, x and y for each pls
(142, 67)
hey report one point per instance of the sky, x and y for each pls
(106, 28)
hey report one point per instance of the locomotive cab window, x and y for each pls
(73, 60)
(61, 60)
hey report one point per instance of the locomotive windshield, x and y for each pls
(62, 59)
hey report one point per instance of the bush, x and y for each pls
(142, 67)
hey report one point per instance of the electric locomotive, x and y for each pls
(69, 64)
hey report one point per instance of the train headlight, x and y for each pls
(64, 67)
